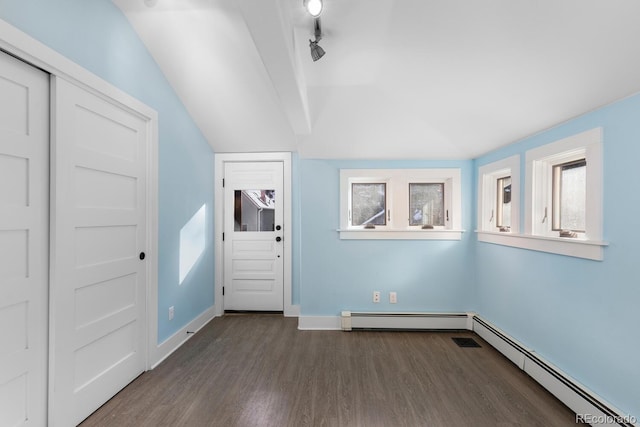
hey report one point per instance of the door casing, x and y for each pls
(290, 310)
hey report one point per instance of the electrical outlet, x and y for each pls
(393, 297)
(376, 296)
(171, 312)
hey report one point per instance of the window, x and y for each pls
(400, 204)
(254, 210)
(368, 204)
(503, 203)
(426, 204)
(563, 203)
(569, 196)
(498, 196)
(564, 188)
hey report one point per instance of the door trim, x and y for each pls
(24, 47)
(290, 310)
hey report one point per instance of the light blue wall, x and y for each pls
(97, 36)
(338, 275)
(581, 315)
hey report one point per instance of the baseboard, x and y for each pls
(588, 406)
(175, 341)
(292, 311)
(319, 323)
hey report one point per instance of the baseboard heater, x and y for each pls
(588, 407)
(351, 320)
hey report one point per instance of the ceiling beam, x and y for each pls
(269, 22)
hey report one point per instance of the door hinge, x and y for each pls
(223, 291)
(223, 237)
(222, 182)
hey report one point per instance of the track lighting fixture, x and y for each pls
(314, 7)
(316, 51)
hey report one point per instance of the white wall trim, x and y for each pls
(294, 311)
(30, 50)
(588, 249)
(379, 234)
(175, 341)
(220, 159)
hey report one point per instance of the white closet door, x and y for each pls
(24, 240)
(98, 280)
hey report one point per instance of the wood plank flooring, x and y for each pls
(259, 370)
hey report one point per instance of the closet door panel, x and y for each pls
(98, 323)
(24, 242)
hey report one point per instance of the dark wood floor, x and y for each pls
(259, 370)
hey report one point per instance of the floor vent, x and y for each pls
(465, 342)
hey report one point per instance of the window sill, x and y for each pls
(588, 249)
(380, 234)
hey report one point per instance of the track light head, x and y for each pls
(316, 51)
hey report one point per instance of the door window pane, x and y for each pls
(569, 198)
(368, 204)
(426, 204)
(503, 208)
(254, 210)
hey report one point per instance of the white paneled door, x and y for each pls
(253, 236)
(24, 240)
(98, 278)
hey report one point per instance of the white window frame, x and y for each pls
(540, 162)
(538, 236)
(488, 176)
(397, 204)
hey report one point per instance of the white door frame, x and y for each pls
(30, 50)
(290, 310)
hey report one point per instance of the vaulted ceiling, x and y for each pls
(430, 79)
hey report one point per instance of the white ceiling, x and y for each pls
(431, 79)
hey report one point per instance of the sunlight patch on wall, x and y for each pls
(192, 242)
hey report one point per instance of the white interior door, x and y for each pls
(253, 233)
(24, 240)
(98, 279)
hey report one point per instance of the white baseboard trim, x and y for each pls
(292, 311)
(319, 323)
(175, 341)
(588, 406)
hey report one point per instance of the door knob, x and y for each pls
(142, 255)
(278, 239)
